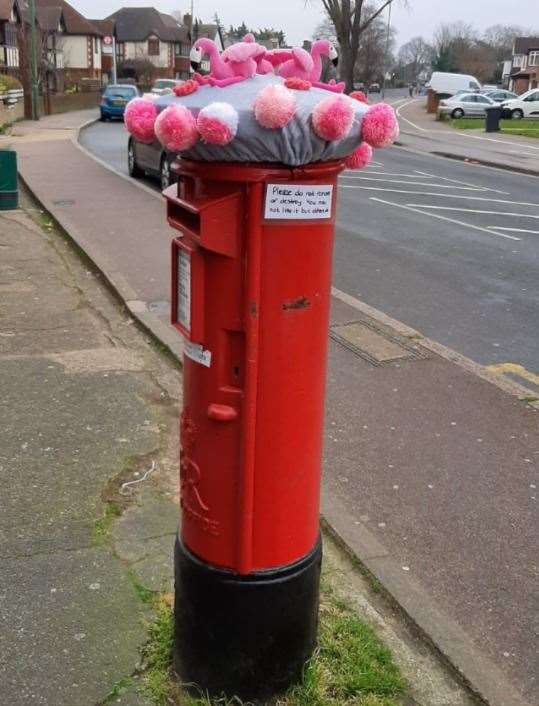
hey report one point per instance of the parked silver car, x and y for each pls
(470, 104)
(499, 95)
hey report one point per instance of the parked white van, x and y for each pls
(442, 82)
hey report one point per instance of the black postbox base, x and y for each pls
(246, 636)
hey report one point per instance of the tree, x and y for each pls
(415, 57)
(450, 41)
(351, 18)
(374, 56)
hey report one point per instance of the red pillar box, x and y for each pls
(254, 211)
(251, 287)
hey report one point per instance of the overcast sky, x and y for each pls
(299, 18)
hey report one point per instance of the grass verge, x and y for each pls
(527, 127)
(351, 666)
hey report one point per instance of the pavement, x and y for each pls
(85, 402)
(421, 131)
(430, 464)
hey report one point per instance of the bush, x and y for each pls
(9, 83)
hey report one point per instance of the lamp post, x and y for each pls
(386, 55)
(33, 60)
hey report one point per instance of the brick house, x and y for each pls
(10, 23)
(74, 43)
(525, 65)
(145, 33)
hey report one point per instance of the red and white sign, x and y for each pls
(107, 41)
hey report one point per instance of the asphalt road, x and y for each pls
(451, 249)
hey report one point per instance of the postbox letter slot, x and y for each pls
(222, 413)
(182, 217)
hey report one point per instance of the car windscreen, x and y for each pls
(120, 92)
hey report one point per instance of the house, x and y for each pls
(73, 43)
(525, 68)
(147, 34)
(10, 23)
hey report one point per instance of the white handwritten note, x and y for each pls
(298, 201)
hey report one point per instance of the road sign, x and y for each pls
(107, 41)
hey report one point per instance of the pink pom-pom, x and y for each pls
(139, 119)
(298, 84)
(359, 96)
(217, 123)
(380, 127)
(360, 157)
(333, 117)
(185, 88)
(274, 106)
(176, 128)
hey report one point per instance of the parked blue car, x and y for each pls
(114, 100)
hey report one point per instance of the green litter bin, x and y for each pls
(9, 190)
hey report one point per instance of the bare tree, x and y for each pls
(351, 18)
(375, 55)
(416, 57)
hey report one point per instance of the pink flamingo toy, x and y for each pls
(235, 64)
(298, 63)
(320, 48)
(242, 58)
(263, 66)
(295, 63)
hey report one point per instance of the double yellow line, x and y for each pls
(514, 369)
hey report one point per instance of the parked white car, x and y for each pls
(525, 106)
(469, 104)
(165, 85)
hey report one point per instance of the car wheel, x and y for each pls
(457, 114)
(134, 170)
(103, 118)
(517, 114)
(165, 173)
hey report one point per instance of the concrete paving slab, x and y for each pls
(70, 628)
(85, 401)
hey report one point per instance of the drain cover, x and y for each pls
(375, 346)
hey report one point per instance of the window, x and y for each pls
(482, 99)
(468, 99)
(518, 60)
(178, 49)
(153, 47)
(96, 45)
(532, 98)
(534, 58)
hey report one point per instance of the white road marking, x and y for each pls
(444, 218)
(431, 193)
(398, 174)
(515, 230)
(464, 183)
(501, 142)
(418, 183)
(398, 111)
(472, 210)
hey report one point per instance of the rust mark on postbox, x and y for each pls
(301, 303)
